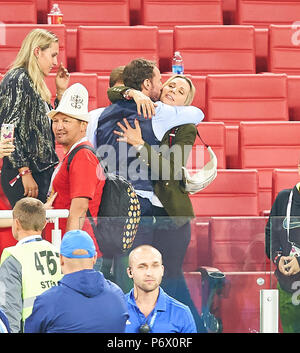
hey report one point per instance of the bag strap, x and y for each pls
(75, 150)
(173, 132)
(70, 158)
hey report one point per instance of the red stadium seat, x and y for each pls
(212, 134)
(18, 11)
(167, 14)
(261, 49)
(103, 85)
(262, 13)
(198, 253)
(135, 12)
(232, 193)
(235, 98)
(229, 12)
(240, 306)
(238, 243)
(100, 49)
(293, 97)
(14, 35)
(283, 179)
(90, 81)
(93, 12)
(200, 95)
(216, 49)
(165, 49)
(42, 11)
(265, 146)
(194, 283)
(284, 49)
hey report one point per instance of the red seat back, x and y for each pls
(235, 98)
(167, 14)
(93, 12)
(198, 252)
(284, 49)
(18, 11)
(262, 13)
(213, 134)
(293, 97)
(261, 49)
(90, 81)
(240, 308)
(283, 179)
(216, 49)
(103, 85)
(238, 243)
(101, 49)
(266, 146)
(14, 36)
(232, 193)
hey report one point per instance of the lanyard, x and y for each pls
(288, 216)
(151, 323)
(153, 320)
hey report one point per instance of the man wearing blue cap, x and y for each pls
(84, 301)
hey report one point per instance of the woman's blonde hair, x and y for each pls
(192, 91)
(26, 58)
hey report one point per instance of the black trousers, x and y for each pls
(172, 242)
(16, 192)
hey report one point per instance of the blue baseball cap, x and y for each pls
(77, 244)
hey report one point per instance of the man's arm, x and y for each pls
(11, 292)
(78, 209)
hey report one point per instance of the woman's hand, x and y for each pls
(30, 186)
(143, 103)
(130, 135)
(6, 148)
(62, 80)
(288, 265)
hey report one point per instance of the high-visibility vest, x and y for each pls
(40, 269)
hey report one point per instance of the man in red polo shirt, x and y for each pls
(79, 188)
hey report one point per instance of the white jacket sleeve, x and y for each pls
(167, 116)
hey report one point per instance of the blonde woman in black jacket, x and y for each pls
(24, 102)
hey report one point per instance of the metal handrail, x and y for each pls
(51, 214)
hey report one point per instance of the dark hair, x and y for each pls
(137, 71)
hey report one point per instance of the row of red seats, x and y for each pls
(233, 243)
(205, 49)
(154, 12)
(262, 146)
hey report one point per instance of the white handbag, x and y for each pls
(203, 177)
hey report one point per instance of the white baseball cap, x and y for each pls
(74, 103)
